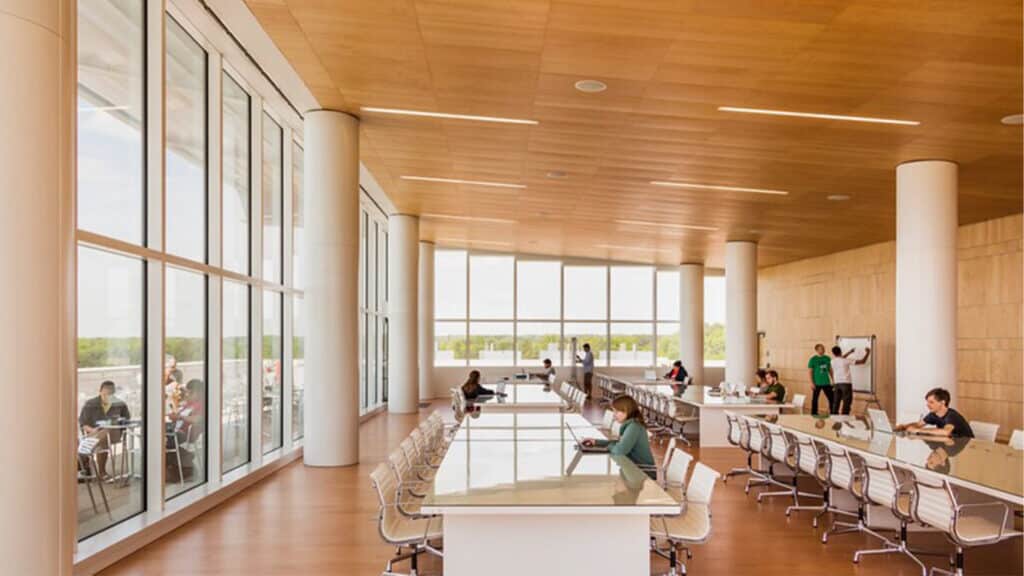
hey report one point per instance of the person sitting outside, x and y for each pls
(548, 375)
(947, 422)
(677, 373)
(103, 407)
(774, 389)
(633, 442)
(472, 388)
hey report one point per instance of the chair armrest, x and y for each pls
(995, 511)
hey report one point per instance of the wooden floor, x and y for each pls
(315, 521)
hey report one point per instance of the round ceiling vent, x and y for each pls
(591, 86)
(1013, 120)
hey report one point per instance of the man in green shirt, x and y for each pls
(819, 368)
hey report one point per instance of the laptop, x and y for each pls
(650, 375)
(879, 420)
(586, 449)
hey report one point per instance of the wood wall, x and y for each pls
(854, 293)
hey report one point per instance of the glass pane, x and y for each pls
(362, 361)
(450, 284)
(111, 154)
(593, 333)
(586, 294)
(632, 344)
(271, 385)
(714, 321)
(185, 152)
(111, 388)
(371, 361)
(668, 295)
(184, 381)
(298, 366)
(668, 343)
(236, 177)
(235, 376)
(449, 344)
(298, 219)
(490, 344)
(273, 200)
(491, 293)
(632, 292)
(536, 341)
(539, 285)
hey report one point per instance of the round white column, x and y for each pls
(691, 320)
(426, 320)
(332, 288)
(926, 282)
(403, 317)
(740, 312)
(37, 287)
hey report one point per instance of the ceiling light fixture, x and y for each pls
(460, 181)
(1013, 119)
(818, 116)
(838, 197)
(665, 225)
(556, 174)
(672, 184)
(429, 215)
(447, 116)
(591, 86)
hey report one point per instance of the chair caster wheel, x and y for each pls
(824, 539)
(787, 513)
(814, 524)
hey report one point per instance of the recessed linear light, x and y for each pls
(465, 241)
(819, 116)
(633, 248)
(1013, 120)
(447, 116)
(591, 86)
(664, 225)
(460, 181)
(429, 215)
(838, 197)
(672, 184)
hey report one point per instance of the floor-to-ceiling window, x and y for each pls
(714, 320)
(373, 287)
(180, 313)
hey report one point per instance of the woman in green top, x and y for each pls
(633, 442)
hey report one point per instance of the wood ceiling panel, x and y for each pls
(953, 66)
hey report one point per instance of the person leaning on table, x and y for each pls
(548, 374)
(633, 442)
(946, 421)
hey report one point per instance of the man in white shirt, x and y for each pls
(588, 368)
(843, 387)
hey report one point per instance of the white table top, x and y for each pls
(701, 397)
(528, 468)
(522, 396)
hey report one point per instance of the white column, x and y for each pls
(740, 312)
(403, 300)
(926, 282)
(37, 287)
(332, 288)
(691, 320)
(426, 320)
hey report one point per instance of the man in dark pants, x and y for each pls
(819, 368)
(588, 368)
(841, 364)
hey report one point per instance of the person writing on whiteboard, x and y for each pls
(819, 368)
(945, 421)
(842, 393)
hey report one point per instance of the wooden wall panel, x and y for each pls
(853, 292)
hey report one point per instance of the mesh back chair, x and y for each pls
(735, 437)
(884, 486)
(1017, 440)
(798, 402)
(966, 525)
(407, 502)
(751, 440)
(406, 475)
(413, 459)
(778, 450)
(693, 523)
(676, 465)
(811, 462)
(985, 430)
(844, 473)
(412, 536)
(681, 414)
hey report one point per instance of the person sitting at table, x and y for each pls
(774, 389)
(633, 442)
(188, 420)
(761, 380)
(946, 421)
(103, 407)
(677, 373)
(472, 388)
(548, 374)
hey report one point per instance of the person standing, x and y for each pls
(819, 368)
(841, 364)
(587, 360)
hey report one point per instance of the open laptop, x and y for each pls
(650, 375)
(879, 420)
(586, 449)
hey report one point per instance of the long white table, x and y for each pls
(522, 397)
(516, 482)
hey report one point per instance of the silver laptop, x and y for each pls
(879, 420)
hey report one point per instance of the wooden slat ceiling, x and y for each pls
(954, 66)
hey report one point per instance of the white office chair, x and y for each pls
(777, 450)
(810, 461)
(798, 402)
(844, 474)
(985, 430)
(1017, 440)
(675, 467)
(693, 523)
(411, 536)
(752, 440)
(735, 437)
(965, 525)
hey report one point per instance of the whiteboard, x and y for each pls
(863, 374)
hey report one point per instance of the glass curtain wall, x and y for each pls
(373, 270)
